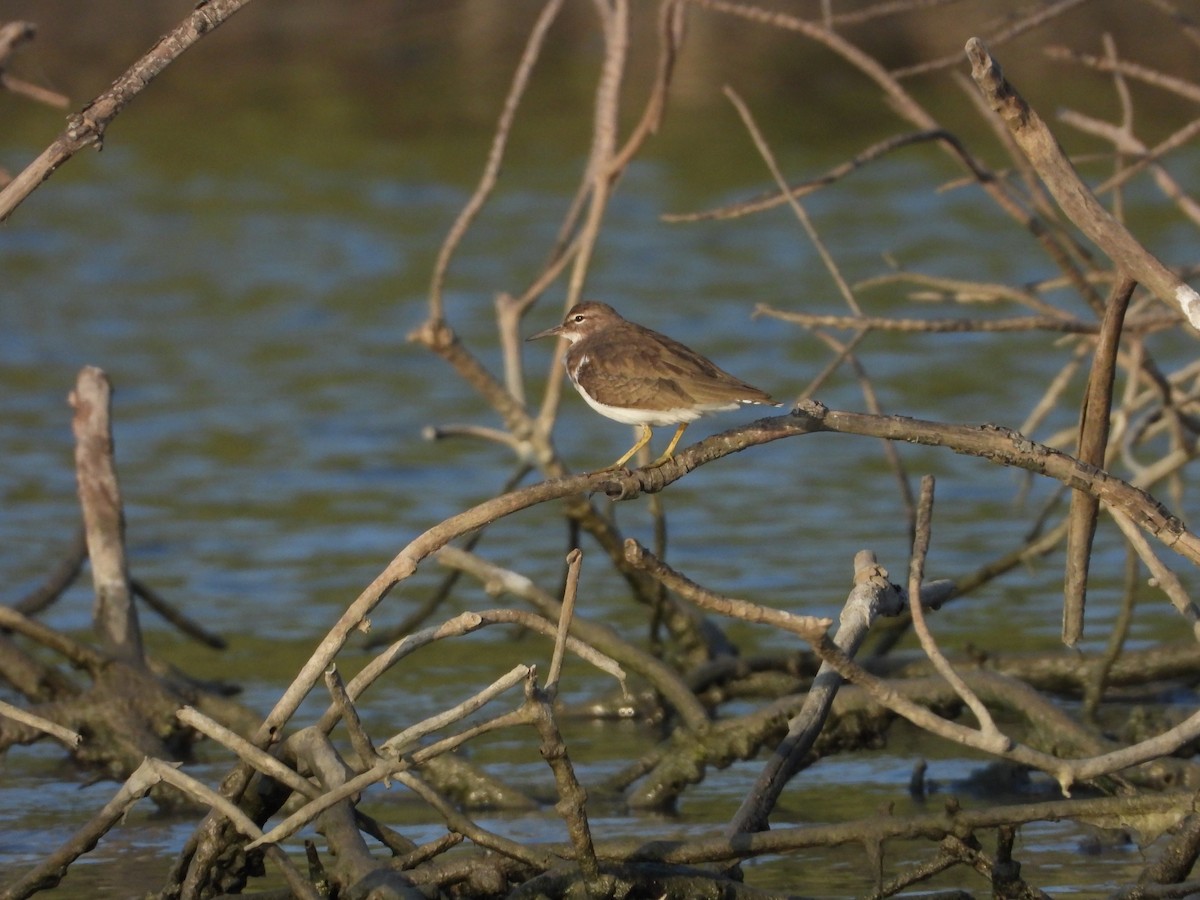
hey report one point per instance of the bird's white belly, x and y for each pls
(653, 416)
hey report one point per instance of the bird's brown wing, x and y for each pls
(621, 376)
(653, 371)
(706, 382)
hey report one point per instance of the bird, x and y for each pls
(637, 376)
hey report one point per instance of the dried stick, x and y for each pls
(462, 624)
(12, 36)
(1042, 15)
(1097, 682)
(872, 595)
(391, 763)
(1124, 141)
(359, 739)
(150, 773)
(210, 835)
(764, 150)
(70, 738)
(770, 200)
(1066, 771)
(615, 22)
(538, 860)
(62, 577)
(566, 614)
(427, 606)
(86, 128)
(1093, 445)
(961, 291)
(1142, 324)
(1064, 249)
(664, 679)
(916, 575)
(992, 442)
(264, 762)
(404, 741)
(810, 628)
(1164, 579)
(572, 798)
(491, 169)
(908, 108)
(1188, 90)
(114, 617)
(995, 444)
(1072, 195)
(273, 768)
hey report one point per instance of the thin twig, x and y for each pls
(1097, 683)
(572, 798)
(1142, 324)
(916, 575)
(1093, 445)
(87, 127)
(872, 595)
(1162, 577)
(1076, 200)
(574, 561)
(72, 739)
(491, 169)
(768, 157)
(662, 677)
(615, 23)
(1042, 14)
(359, 739)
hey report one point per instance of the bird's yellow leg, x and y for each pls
(671, 446)
(642, 441)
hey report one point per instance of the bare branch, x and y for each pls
(1072, 194)
(87, 127)
(114, 616)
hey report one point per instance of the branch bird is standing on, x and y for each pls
(640, 377)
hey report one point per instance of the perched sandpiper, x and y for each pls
(640, 377)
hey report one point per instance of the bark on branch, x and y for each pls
(1081, 206)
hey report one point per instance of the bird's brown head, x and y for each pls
(582, 320)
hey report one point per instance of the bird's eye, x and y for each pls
(580, 318)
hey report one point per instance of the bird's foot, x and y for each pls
(618, 466)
